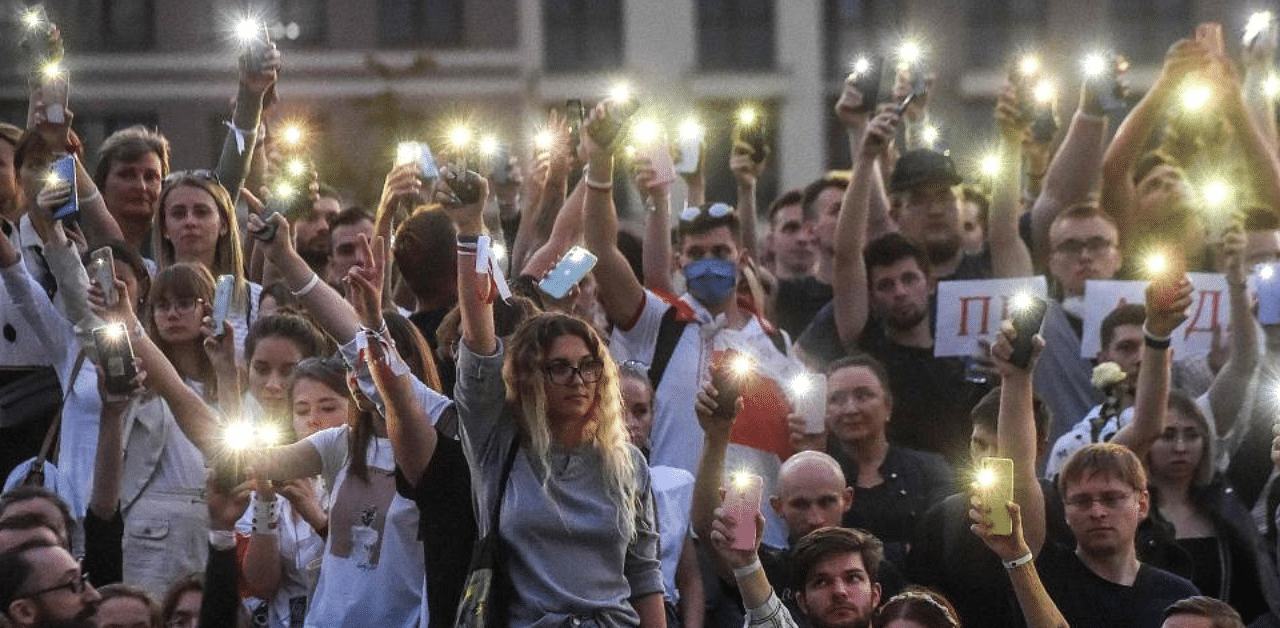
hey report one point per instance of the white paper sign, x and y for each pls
(971, 310)
(1210, 308)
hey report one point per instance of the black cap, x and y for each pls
(922, 166)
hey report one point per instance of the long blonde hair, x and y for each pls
(228, 257)
(526, 381)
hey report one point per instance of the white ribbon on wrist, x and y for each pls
(487, 264)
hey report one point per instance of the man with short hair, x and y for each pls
(1200, 611)
(41, 586)
(1102, 583)
(835, 574)
(345, 250)
(799, 260)
(423, 253)
(311, 230)
(790, 237)
(19, 529)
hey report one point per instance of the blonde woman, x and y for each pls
(577, 516)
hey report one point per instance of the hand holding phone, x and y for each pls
(865, 79)
(222, 297)
(1267, 279)
(605, 130)
(994, 489)
(728, 374)
(63, 172)
(103, 269)
(742, 503)
(465, 185)
(808, 392)
(1027, 312)
(115, 355)
(572, 267)
(750, 128)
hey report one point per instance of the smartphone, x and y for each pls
(1026, 321)
(419, 153)
(115, 355)
(1112, 92)
(572, 267)
(727, 383)
(607, 129)
(742, 502)
(906, 102)
(64, 169)
(103, 268)
(500, 165)
(1026, 93)
(755, 134)
(55, 87)
(1268, 283)
(1044, 126)
(222, 297)
(1259, 27)
(995, 490)
(810, 401)
(658, 152)
(690, 147)
(574, 114)
(257, 48)
(465, 185)
(268, 231)
(867, 82)
(35, 42)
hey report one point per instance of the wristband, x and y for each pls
(222, 540)
(310, 285)
(1018, 562)
(97, 194)
(1154, 341)
(742, 572)
(468, 240)
(265, 516)
(601, 186)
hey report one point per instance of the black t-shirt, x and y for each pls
(1086, 599)
(446, 525)
(797, 300)
(428, 323)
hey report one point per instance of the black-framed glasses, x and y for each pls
(562, 372)
(1110, 500)
(76, 585)
(715, 210)
(1073, 248)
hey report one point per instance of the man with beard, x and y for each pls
(311, 230)
(41, 586)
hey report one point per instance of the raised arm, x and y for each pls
(566, 232)
(850, 289)
(1038, 609)
(1073, 173)
(473, 288)
(1259, 59)
(1009, 255)
(746, 174)
(1016, 431)
(256, 78)
(706, 484)
(620, 291)
(1131, 138)
(656, 255)
(1168, 297)
(1233, 386)
(549, 183)
(1258, 152)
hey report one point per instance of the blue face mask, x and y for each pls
(710, 280)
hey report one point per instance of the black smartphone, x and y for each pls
(749, 126)
(866, 79)
(465, 185)
(1027, 313)
(608, 128)
(115, 355)
(1044, 126)
(906, 102)
(574, 114)
(1112, 90)
(500, 171)
(727, 377)
(1025, 90)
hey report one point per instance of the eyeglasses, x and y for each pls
(561, 372)
(1110, 501)
(181, 620)
(201, 174)
(76, 585)
(716, 210)
(181, 306)
(1073, 248)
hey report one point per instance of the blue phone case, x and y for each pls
(1268, 282)
(65, 168)
(571, 268)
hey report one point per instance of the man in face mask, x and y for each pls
(681, 338)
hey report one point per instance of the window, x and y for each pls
(115, 25)
(735, 35)
(95, 127)
(1148, 27)
(1005, 27)
(853, 27)
(582, 35)
(298, 23)
(421, 23)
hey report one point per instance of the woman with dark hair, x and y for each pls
(577, 519)
(181, 605)
(916, 607)
(274, 346)
(280, 565)
(123, 605)
(894, 485)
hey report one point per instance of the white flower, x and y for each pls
(1106, 374)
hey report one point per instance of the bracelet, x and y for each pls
(310, 285)
(600, 186)
(468, 239)
(1154, 341)
(222, 540)
(97, 194)
(742, 572)
(265, 516)
(1018, 562)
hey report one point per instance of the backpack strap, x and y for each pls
(669, 331)
(48, 449)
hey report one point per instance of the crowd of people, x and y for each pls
(239, 408)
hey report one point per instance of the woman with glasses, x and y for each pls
(280, 565)
(197, 224)
(577, 517)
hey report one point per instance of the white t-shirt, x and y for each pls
(373, 569)
(301, 551)
(673, 496)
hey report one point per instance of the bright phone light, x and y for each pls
(32, 18)
(1257, 22)
(51, 70)
(747, 116)
(488, 145)
(406, 152)
(990, 165)
(930, 134)
(1029, 65)
(909, 52)
(1044, 91)
(1157, 264)
(861, 65)
(646, 132)
(801, 384)
(620, 92)
(1095, 64)
(1195, 96)
(292, 134)
(544, 140)
(460, 136)
(247, 30)
(691, 130)
(985, 477)
(297, 168)
(741, 364)
(1216, 192)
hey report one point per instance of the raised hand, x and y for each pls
(1010, 547)
(364, 283)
